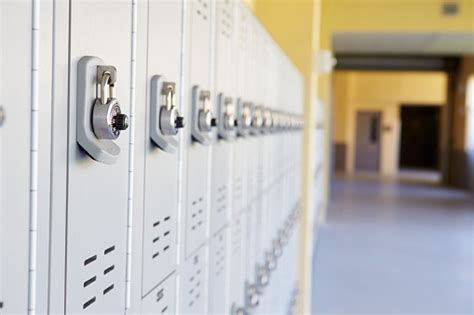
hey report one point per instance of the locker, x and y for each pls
(97, 168)
(16, 50)
(157, 138)
(224, 107)
(197, 98)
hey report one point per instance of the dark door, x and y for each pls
(419, 147)
(368, 141)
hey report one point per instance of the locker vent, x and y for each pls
(226, 20)
(161, 238)
(202, 9)
(243, 32)
(236, 236)
(221, 199)
(220, 257)
(195, 282)
(197, 214)
(92, 283)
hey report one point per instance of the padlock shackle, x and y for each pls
(103, 82)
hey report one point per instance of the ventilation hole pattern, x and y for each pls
(91, 283)
(220, 257)
(197, 214)
(161, 236)
(226, 20)
(221, 199)
(195, 283)
(202, 9)
(236, 237)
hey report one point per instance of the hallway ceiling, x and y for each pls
(444, 44)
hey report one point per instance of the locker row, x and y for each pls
(150, 159)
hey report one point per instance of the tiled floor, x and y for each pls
(395, 248)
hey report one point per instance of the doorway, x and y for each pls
(368, 141)
(420, 137)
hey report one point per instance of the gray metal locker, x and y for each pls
(98, 165)
(197, 100)
(15, 62)
(156, 182)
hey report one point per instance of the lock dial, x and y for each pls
(166, 121)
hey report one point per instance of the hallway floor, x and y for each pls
(395, 248)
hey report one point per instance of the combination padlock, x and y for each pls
(107, 118)
(244, 117)
(251, 296)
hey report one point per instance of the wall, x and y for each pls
(385, 92)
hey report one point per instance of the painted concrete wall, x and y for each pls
(381, 91)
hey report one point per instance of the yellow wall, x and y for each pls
(385, 92)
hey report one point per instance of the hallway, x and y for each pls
(395, 248)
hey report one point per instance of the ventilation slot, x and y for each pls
(109, 250)
(90, 281)
(106, 271)
(88, 303)
(90, 260)
(108, 289)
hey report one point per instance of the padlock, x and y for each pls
(107, 117)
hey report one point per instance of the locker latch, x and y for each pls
(165, 117)
(257, 120)
(202, 118)
(235, 310)
(270, 261)
(251, 296)
(244, 117)
(267, 120)
(2, 116)
(278, 247)
(99, 118)
(262, 277)
(226, 118)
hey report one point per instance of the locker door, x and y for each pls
(161, 167)
(224, 107)
(97, 191)
(197, 99)
(15, 74)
